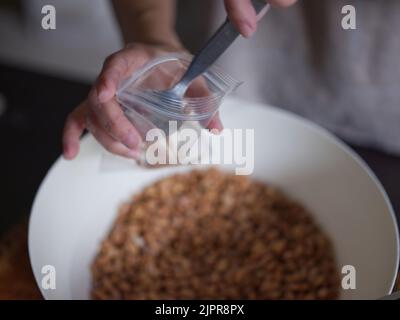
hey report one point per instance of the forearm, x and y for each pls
(149, 21)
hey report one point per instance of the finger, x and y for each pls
(113, 120)
(109, 143)
(282, 3)
(215, 124)
(198, 88)
(115, 68)
(242, 14)
(73, 129)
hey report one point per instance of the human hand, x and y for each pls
(101, 114)
(242, 14)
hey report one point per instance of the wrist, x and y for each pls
(170, 42)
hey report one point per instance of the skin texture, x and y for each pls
(100, 112)
(147, 27)
(243, 16)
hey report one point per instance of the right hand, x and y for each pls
(101, 114)
(243, 15)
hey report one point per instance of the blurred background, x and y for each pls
(45, 74)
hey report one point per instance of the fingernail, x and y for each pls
(132, 141)
(247, 29)
(67, 154)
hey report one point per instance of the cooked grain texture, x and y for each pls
(213, 235)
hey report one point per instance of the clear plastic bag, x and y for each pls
(199, 105)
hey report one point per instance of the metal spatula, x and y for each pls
(213, 49)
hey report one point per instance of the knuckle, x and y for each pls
(92, 95)
(113, 128)
(95, 107)
(110, 59)
(131, 45)
(102, 79)
(108, 127)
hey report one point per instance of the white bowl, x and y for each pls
(78, 201)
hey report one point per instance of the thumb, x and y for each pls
(243, 16)
(73, 129)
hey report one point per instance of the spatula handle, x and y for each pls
(216, 46)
